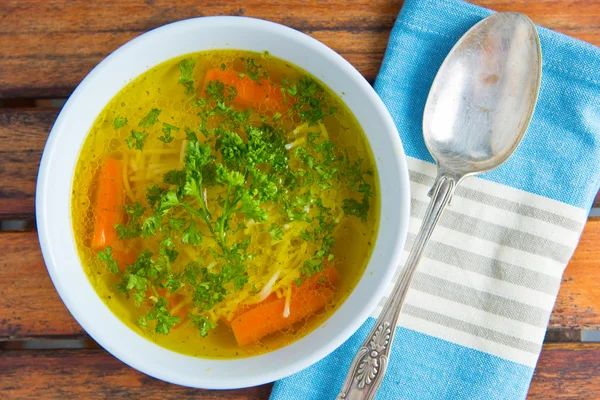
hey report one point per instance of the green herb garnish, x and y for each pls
(150, 119)
(186, 74)
(136, 140)
(119, 122)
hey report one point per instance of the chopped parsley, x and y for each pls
(106, 256)
(254, 71)
(136, 140)
(238, 167)
(150, 119)
(167, 137)
(119, 122)
(186, 74)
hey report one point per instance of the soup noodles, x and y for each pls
(224, 204)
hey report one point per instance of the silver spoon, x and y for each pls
(477, 112)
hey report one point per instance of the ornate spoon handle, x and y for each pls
(368, 367)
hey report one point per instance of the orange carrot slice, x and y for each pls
(109, 205)
(326, 277)
(247, 307)
(124, 258)
(268, 318)
(249, 93)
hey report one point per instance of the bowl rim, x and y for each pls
(52, 258)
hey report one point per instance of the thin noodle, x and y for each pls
(126, 180)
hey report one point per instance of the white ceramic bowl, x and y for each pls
(53, 198)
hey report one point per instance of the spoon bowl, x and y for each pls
(477, 112)
(483, 96)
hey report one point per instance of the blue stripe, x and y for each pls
(560, 155)
(421, 367)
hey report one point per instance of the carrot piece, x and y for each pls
(249, 93)
(268, 318)
(247, 307)
(124, 258)
(109, 204)
(326, 277)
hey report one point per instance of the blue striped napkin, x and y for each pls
(474, 320)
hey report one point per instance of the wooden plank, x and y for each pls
(30, 307)
(29, 304)
(47, 48)
(23, 134)
(578, 302)
(94, 374)
(565, 371)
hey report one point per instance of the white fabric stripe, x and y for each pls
(497, 234)
(467, 340)
(503, 204)
(481, 300)
(489, 285)
(504, 218)
(475, 316)
(472, 329)
(486, 248)
(506, 192)
(489, 267)
(489, 278)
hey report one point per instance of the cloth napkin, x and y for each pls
(475, 317)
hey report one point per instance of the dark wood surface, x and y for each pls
(30, 307)
(565, 370)
(20, 155)
(47, 47)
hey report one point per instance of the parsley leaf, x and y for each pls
(150, 119)
(358, 209)
(107, 256)
(175, 177)
(119, 122)
(276, 232)
(153, 195)
(310, 100)
(133, 228)
(186, 74)
(209, 290)
(136, 140)
(190, 135)
(203, 324)
(173, 283)
(161, 314)
(230, 177)
(253, 70)
(251, 207)
(166, 129)
(192, 235)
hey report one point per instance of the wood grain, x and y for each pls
(578, 302)
(30, 306)
(94, 374)
(565, 371)
(46, 48)
(23, 135)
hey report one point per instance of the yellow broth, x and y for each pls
(158, 88)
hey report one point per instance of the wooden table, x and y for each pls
(46, 48)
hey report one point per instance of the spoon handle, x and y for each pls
(369, 364)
